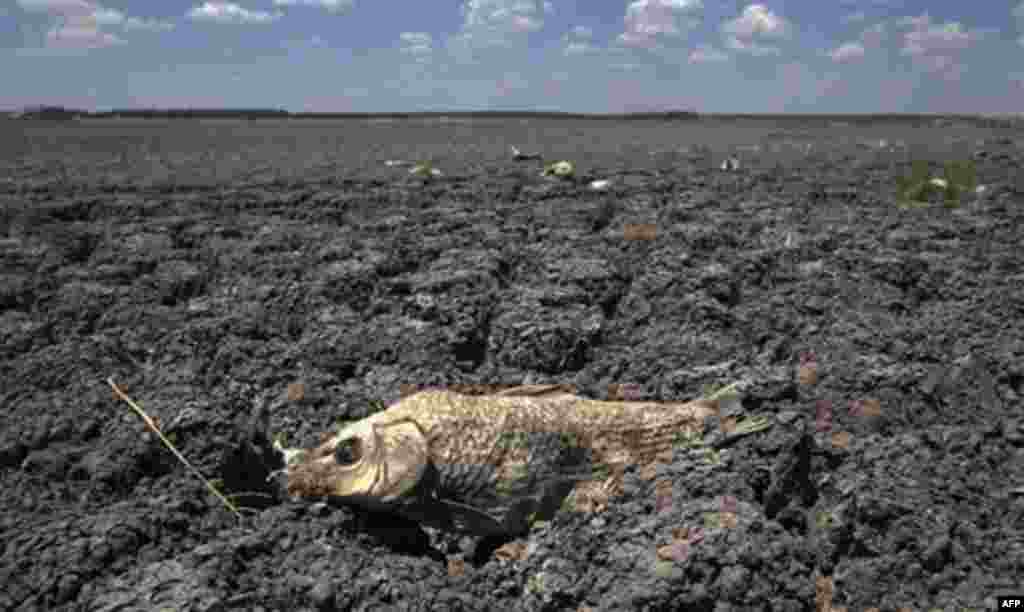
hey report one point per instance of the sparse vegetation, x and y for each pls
(560, 169)
(921, 188)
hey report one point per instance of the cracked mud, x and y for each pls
(221, 270)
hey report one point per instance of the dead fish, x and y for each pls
(489, 464)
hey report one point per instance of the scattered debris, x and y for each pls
(520, 156)
(560, 169)
(425, 170)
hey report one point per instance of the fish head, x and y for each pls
(368, 463)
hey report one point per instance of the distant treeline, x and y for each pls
(59, 113)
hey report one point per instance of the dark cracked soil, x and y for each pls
(207, 267)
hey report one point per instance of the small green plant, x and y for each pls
(601, 471)
(921, 187)
(513, 439)
(535, 584)
(560, 169)
(711, 456)
(569, 440)
(425, 170)
(688, 439)
(667, 570)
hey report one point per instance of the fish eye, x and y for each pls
(348, 451)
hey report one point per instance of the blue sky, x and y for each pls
(567, 55)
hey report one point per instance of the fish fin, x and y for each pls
(535, 390)
(466, 519)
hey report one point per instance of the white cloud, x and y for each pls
(60, 7)
(1019, 11)
(330, 5)
(496, 24)
(105, 16)
(949, 37)
(847, 52)
(753, 48)
(756, 22)
(79, 23)
(229, 12)
(704, 54)
(872, 37)
(648, 19)
(936, 47)
(577, 41)
(417, 44)
(578, 48)
(80, 36)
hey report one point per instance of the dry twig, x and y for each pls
(153, 427)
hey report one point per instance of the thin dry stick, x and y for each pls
(152, 426)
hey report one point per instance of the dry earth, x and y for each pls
(208, 266)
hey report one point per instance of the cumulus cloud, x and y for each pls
(756, 24)
(80, 24)
(936, 47)
(105, 16)
(750, 47)
(872, 37)
(229, 12)
(646, 20)
(757, 20)
(704, 54)
(578, 41)
(330, 5)
(73, 35)
(417, 44)
(499, 22)
(847, 52)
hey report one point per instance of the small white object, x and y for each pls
(940, 183)
(561, 169)
(395, 162)
(730, 163)
(422, 170)
(980, 189)
(600, 184)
